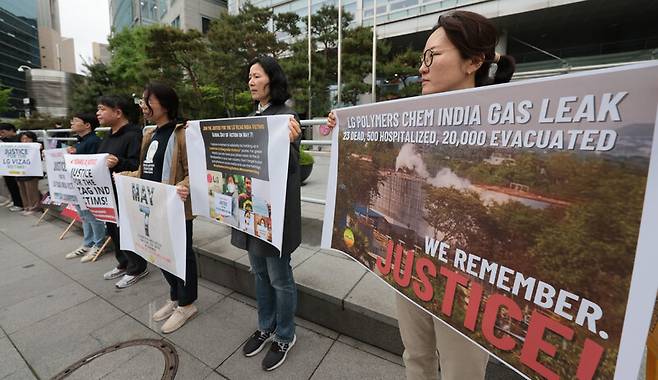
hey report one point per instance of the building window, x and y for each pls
(205, 24)
(176, 22)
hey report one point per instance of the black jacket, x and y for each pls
(125, 145)
(87, 144)
(292, 221)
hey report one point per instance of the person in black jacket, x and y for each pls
(93, 231)
(276, 293)
(123, 145)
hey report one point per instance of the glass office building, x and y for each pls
(19, 45)
(128, 13)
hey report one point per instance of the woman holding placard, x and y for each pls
(276, 293)
(459, 54)
(163, 158)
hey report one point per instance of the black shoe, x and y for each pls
(277, 354)
(256, 343)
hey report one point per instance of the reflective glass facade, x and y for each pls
(19, 44)
(127, 13)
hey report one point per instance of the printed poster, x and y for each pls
(522, 215)
(238, 170)
(91, 177)
(152, 223)
(60, 184)
(20, 160)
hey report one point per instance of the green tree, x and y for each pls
(234, 40)
(5, 94)
(129, 70)
(86, 90)
(176, 54)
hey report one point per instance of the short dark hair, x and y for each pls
(124, 103)
(278, 81)
(7, 127)
(88, 118)
(30, 134)
(166, 95)
(475, 36)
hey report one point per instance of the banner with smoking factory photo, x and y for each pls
(522, 215)
(20, 160)
(92, 179)
(60, 185)
(152, 221)
(238, 170)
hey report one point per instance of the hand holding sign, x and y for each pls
(295, 129)
(112, 161)
(183, 192)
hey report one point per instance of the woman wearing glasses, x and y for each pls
(163, 158)
(459, 54)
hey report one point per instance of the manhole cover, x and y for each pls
(167, 349)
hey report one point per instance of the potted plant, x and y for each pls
(305, 163)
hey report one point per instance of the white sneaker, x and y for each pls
(15, 208)
(77, 253)
(178, 318)
(8, 204)
(114, 273)
(5, 202)
(129, 280)
(91, 252)
(165, 311)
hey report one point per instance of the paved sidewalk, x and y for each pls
(54, 312)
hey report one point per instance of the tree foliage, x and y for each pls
(209, 72)
(5, 94)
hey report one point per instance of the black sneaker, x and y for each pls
(277, 354)
(256, 343)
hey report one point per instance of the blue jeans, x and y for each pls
(276, 295)
(93, 231)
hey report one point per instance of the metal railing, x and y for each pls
(567, 69)
(47, 137)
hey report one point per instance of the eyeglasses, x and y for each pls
(428, 57)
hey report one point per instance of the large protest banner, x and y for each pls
(152, 221)
(60, 184)
(523, 215)
(20, 160)
(238, 171)
(91, 178)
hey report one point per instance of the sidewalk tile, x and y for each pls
(11, 363)
(371, 349)
(207, 299)
(346, 362)
(215, 334)
(58, 341)
(25, 313)
(302, 360)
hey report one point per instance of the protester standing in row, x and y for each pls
(93, 231)
(459, 54)
(8, 134)
(123, 145)
(29, 186)
(276, 293)
(164, 159)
